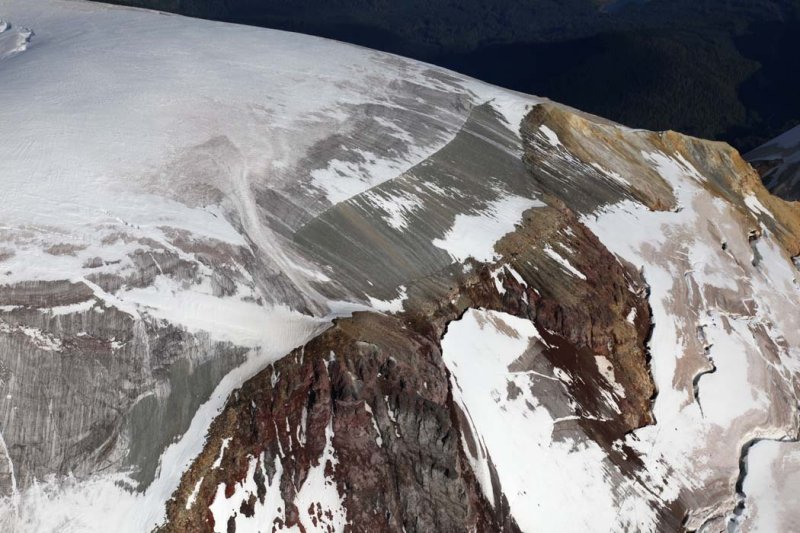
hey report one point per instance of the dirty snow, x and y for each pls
(772, 501)
(478, 350)
(737, 384)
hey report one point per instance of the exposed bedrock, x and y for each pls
(382, 393)
(378, 388)
(628, 295)
(585, 301)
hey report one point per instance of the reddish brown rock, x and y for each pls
(407, 468)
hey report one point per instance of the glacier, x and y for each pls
(200, 220)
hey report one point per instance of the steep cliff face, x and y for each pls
(328, 289)
(563, 359)
(778, 162)
(371, 413)
(355, 427)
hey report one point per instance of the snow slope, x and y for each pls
(479, 350)
(160, 165)
(187, 201)
(715, 347)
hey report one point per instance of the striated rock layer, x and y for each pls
(256, 281)
(377, 391)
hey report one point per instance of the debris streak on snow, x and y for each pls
(390, 306)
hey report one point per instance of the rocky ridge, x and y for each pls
(379, 393)
(778, 163)
(475, 288)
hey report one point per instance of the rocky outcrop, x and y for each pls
(491, 303)
(377, 387)
(382, 387)
(376, 393)
(778, 163)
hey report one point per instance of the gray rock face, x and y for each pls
(379, 240)
(778, 162)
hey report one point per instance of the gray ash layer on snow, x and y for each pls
(252, 280)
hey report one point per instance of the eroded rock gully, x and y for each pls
(379, 386)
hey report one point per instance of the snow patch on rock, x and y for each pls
(565, 264)
(398, 208)
(475, 235)
(390, 306)
(319, 501)
(478, 350)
